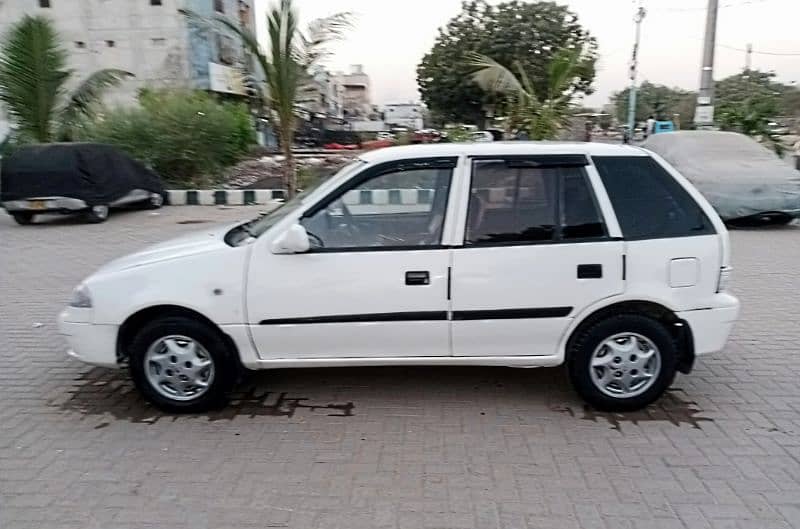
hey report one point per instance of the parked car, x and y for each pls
(597, 256)
(742, 179)
(84, 178)
(385, 136)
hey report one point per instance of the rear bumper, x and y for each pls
(711, 327)
(89, 342)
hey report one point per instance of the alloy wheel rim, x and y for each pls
(625, 365)
(179, 368)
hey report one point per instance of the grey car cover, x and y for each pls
(738, 175)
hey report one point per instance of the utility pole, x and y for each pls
(638, 18)
(748, 57)
(704, 112)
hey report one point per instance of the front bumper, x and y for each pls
(89, 342)
(711, 327)
(45, 205)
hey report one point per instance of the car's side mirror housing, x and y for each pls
(293, 240)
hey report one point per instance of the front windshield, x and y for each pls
(258, 226)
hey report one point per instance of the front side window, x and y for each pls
(517, 202)
(403, 207)
(648, 202)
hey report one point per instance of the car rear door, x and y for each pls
(537, 249)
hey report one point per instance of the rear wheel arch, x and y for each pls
(678, 328)
(136, 321)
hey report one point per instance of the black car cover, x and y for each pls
(97, 174)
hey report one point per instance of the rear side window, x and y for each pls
(515, 202)
(649, 203)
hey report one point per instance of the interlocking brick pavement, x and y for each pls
(397, 448)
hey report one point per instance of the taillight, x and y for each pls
(725, 276)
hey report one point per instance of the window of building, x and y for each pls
(219, 6)
(518, 202)
(44, 3)
(404, 207)
(648, 202)
(80, 44)
(158, 41)
(155, 2)
(110, 43)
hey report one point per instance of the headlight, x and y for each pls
(81, 298)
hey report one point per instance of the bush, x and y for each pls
(187, 137)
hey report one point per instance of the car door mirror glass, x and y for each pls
(293, 240)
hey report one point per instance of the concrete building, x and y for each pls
(357, 97)
(148, 38)
(409, 115)
(322, 96)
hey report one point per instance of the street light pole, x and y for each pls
(704, 113)
(640, 14)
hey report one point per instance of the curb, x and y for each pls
(222, 197)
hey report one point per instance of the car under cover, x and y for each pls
(741, 178)
(95, 173)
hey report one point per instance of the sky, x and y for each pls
(390, 37)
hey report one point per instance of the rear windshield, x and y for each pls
(649, 203)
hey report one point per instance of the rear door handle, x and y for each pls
(418, 278)
(590, 271)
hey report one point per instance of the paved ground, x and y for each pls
(389, 448)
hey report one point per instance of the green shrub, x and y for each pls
(187, 137)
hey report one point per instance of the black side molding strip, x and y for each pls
(360, 318)
(512, 314)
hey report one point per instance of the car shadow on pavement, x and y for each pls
(408, 391)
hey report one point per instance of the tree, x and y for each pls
(34, 79)
(747, 102)
(659, 101)
(528, 33)
(540, 112)
(286, 64)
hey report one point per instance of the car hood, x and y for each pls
(208, 240)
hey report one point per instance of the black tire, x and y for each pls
(155, 201)
(583, 345)
(23, 218)
(225, 365)
(96, 214)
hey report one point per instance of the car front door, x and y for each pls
(536, 252)
(374, 283)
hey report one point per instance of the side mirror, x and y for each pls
(293, 240)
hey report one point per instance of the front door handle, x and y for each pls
(590, 271)
(418, 278)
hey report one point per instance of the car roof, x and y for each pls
(500, 148)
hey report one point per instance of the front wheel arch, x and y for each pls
(678, 328)
(136, 321)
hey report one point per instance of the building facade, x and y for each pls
(409, 115)
(149, 38)
(356, 96)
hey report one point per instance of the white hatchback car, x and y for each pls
(599, 257)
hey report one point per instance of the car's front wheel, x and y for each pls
(182, 365)
(23, 218)
(155, 201)
(622, 363)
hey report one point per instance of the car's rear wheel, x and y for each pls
(96, 214)
(622, 363)
(23, 218)
(182, 365)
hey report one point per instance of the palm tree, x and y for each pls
(34, 79)
(540, 115)
(286, 63)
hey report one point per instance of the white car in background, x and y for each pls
(599, 257)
